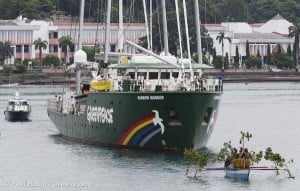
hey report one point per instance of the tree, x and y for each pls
(20, 68)
(90, 52)
(289, 51)
(258, 53)
(294, 31)
(40, 44)
(221, 37)
(236, 57)
(66, 43)
(247, 49)
(226, 7)
(5, 51)
(269, 56)
(51, 59)
(283, 61)
(252, 61)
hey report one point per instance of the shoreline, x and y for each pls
(255, 76)
(231, 76)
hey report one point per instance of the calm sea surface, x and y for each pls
(34, 157)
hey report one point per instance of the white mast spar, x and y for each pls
(150, 26)
(146, 24)
(79, 56)
(179, 32)
(187, 39)
(165, 29)
(107, 35)
(81, 24)
(198, 31)
(121, 29)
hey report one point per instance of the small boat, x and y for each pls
(9, 85)
(17, 109)
(237, 173)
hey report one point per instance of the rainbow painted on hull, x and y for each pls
(141, 131)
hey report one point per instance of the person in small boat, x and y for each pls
(243, 159)
(234, 153)
(241, 152)
(227, 162)
(246, 154)
(247, 158)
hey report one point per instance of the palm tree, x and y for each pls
(40, 44)
(5, 50)
(221, 37)
(294, 31)
(65, 43)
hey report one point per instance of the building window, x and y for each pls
(26, 48)
(18, 48)
(53, 35)
(165, 75)
(153, 75)
(53, 48)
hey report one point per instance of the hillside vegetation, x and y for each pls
(212, 11)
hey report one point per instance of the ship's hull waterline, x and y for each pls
(139, 120)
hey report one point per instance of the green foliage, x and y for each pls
(5, 50)
(226, 151)
(66, 43)
(200, 160)
(269, 56)
(51, 59)
(40, 44)
(247, 49)
(35, 61)
(215, 11)
(289, 51)
(256, 157)
(252, 62)
(236, 57)
(276, 158)
(245, 135)
(20, 68)
(217, 62)
(258, 53)
(294, 32)
(283, 61)
(7, 69)
(221, 38)
(225, 10)
(90, 51)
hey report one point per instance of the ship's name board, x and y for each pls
(100, 115)
(146, 97)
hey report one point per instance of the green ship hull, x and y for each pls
(140, 120)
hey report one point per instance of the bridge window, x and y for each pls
(153, 75)
(165, 75)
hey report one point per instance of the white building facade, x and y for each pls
(22, 33)
(273, 32)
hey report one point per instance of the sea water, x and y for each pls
(33, 156)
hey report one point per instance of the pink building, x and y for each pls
(21, 33)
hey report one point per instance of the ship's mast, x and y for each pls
(187, 38)
(146, 24)
(198, 31)
(120, 33)
(77, 65)
(150, 25)
(165, 29)
(107, 35)
(81, 24)
(179, 30)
